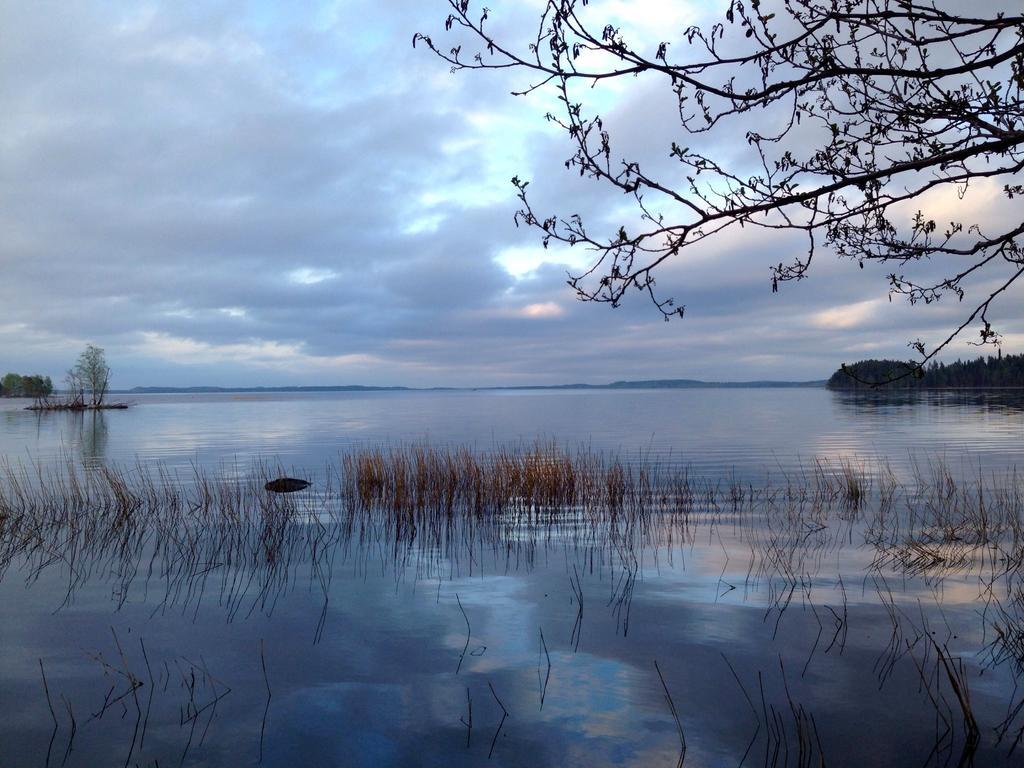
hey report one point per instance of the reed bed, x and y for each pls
(435, 506)
(426, 492)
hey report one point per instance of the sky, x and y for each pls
(291, 194)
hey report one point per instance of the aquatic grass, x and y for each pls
(418, 479)
(428, 504)
(846, 481)
(913, 638)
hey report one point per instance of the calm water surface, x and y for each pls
(717, 432)
(784, 628)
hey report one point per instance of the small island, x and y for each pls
(87, 384)
(1002, 372)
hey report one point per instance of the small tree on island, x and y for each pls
(91, 375)
(37, 387)
(76, 390)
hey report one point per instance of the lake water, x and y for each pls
(764, 614)
(717, 432)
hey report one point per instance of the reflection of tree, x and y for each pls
(89, 433)
(861, 402)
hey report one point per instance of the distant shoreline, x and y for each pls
(618, 385)
(646, 384)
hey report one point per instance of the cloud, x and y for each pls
(847, 315)
(542, 309)
(310, 275)
(274, 196)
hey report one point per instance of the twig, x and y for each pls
(504, 716)
(266, 709)
(53, 714)
(547, 677)
(469, 632)
(469, 723)
(675, 716)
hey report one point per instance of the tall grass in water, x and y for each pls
(414, 488)
(448, 500)
(422, 480)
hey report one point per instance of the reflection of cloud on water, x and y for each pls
(357, 719)
(382, 686)
(264, 427)
(499, 608)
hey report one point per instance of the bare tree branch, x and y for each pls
(870, 104)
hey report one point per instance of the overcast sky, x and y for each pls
(289, 193)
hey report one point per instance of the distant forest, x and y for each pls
(1006, 371)
(17, 385)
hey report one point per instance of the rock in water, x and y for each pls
(286, 485)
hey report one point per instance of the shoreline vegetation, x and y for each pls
(1003, 372)
(419, 484)
(408, 482)
(20, 385)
